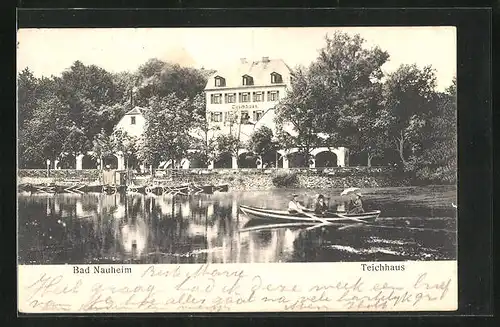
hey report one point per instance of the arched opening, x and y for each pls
(110, 160)
(88, 162)
(358, 159)
(67, 162)
(225, 160)
(197, 160)
(296, 160)
(326, 159)
(269, 159)
(247, 160)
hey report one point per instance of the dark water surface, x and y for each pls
(417, 223)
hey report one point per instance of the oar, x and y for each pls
(323, 221)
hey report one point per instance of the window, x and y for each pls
(276, 78)
(132, 120)
(245, 97)
(247, 80)
(220, 81)
(257, 114)
(245, 118)
(216, 98)
(273, 96)
(216, 117)
(258, 97)
(230, 97)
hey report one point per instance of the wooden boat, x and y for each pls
(332, 217)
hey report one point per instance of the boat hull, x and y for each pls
(332, 217)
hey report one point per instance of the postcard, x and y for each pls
(256, 169)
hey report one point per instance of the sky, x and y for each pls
(50, 51)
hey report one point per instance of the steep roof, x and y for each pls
(135, 111)
(260, 71)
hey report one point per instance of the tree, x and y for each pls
(102, 146)
(165, 136)
(76, 141)
(125, 144)
(346, 81)
(227, 143)
(27, 85)
(262, 143)
(89, 92)
(438, 160)
(159, 78)
(300, 110)
(409, 98)
(202, 132)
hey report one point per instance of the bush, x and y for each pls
(285, 179)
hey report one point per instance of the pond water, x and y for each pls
(416, 223)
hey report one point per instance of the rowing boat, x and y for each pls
(333, 217)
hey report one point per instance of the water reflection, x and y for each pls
(99, 228)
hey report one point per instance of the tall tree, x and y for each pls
(409, 98)
(165, 136)
(438, 159)
(202, 132)
(159, 78)
(301, 112)
(102, 146)
(346, 81)
(27, 85)
(48, 128)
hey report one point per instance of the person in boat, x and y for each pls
(294, 206)
(321, 207)
(356, 205)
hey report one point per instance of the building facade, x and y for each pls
(239, 100)
(243, 97)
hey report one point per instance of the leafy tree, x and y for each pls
(346, 81)
(300, 110)
(438, 160)
(409, 98)
(159, 78)
(102, 146)
(262, 143)
(27, 85)
(202, 132)
(227, 143)
(165, 136)
(48, 128)
(89, 91)
(126, 144)
(76, 141)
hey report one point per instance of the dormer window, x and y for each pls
(276, 78)
(220, 81)
(247, 80)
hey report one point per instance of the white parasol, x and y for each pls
(350, 190)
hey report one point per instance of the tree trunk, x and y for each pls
(370, 157)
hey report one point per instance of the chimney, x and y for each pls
(243, 60)
(265, 59)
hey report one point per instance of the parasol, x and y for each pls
(350, 190)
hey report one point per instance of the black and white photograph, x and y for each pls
(236, 145)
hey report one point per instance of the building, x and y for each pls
(239, 97)
(243, 97)
(133, 123)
